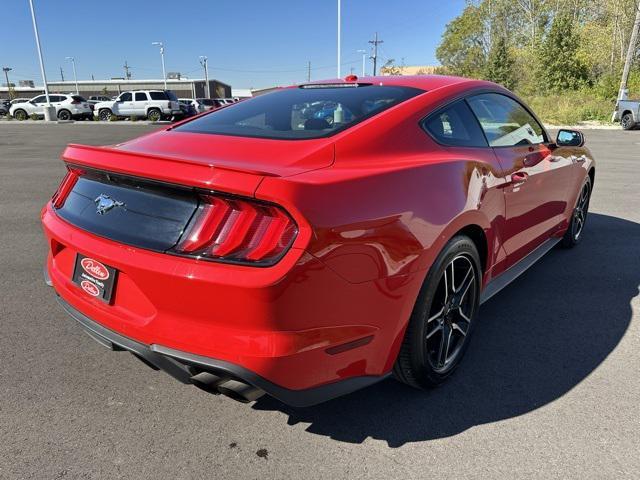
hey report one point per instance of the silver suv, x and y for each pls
(155, 105)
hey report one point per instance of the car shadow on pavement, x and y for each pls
(536, 340)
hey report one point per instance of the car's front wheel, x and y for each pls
(105, 114)
(443, 318)
(20, 115)
(573, 235)
(627, 122)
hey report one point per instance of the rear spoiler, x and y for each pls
(165, 169)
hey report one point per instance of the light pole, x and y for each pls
(164, 74)
(48, 110)
(339, 14)
(75, 77)
(364, 60)
(203, 62)
(6, 71)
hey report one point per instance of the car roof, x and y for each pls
(423, 82)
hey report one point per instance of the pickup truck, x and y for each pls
(627, 112)
(155, 105)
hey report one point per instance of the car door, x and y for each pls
(36, 105)
(535, 195)
(140, 103)
(124, 104)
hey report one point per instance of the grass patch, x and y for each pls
(569, 108)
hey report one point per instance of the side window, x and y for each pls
(505, 122)
(40, 99)
(126, 97)
(455, 125)
(141, 97)
(58, 98)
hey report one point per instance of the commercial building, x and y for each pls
(195, 88)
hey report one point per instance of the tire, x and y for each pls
(573, 235)
(20, 115)
(437, 320)
(105, 114)
(626, 122)
(154, 115)
(64, 115)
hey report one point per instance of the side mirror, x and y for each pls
(569, 138)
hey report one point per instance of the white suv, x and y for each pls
(153, 104)
(67, 107)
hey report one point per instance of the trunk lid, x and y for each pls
(261, 156)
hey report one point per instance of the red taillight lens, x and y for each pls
(67, 184)
(238, 230)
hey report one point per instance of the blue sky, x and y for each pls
(249, 43)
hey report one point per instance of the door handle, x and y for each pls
(519, 177)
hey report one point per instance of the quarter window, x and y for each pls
(505, 122)
(455, 125)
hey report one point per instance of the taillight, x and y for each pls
(238, 230)
(67, 184)
(75, 102)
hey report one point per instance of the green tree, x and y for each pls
(499, 66)
(561, 67)
(462, 50)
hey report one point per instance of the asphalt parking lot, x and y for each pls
(550, 386)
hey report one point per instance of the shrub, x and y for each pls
(33, 116)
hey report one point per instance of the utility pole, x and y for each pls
(623, 92)
(6, 71)
(203, 62)
(308, 71)
(375, 42)
(127, 73)
(61, 74)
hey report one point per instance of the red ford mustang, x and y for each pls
(315, 240)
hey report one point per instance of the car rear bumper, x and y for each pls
(293, 327)
(184, 366)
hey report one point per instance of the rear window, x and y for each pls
(301, 113)
(158, 95)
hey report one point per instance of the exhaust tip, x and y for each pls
(207, 381)
(240, 391)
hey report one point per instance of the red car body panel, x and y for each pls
(374, 205)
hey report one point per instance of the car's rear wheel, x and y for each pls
(154, 115)
(20, 115)
(105, 114)
(443, 318)
(64, 115)
(627, 122)
(573, 235)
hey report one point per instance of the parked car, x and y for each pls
(153, 104)
(67, 107)
(19, 100)
(627, 112)
(187, 110)
(244, 252)
(98, 98)
(206, 104)
(197, 104)
(4, 107)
